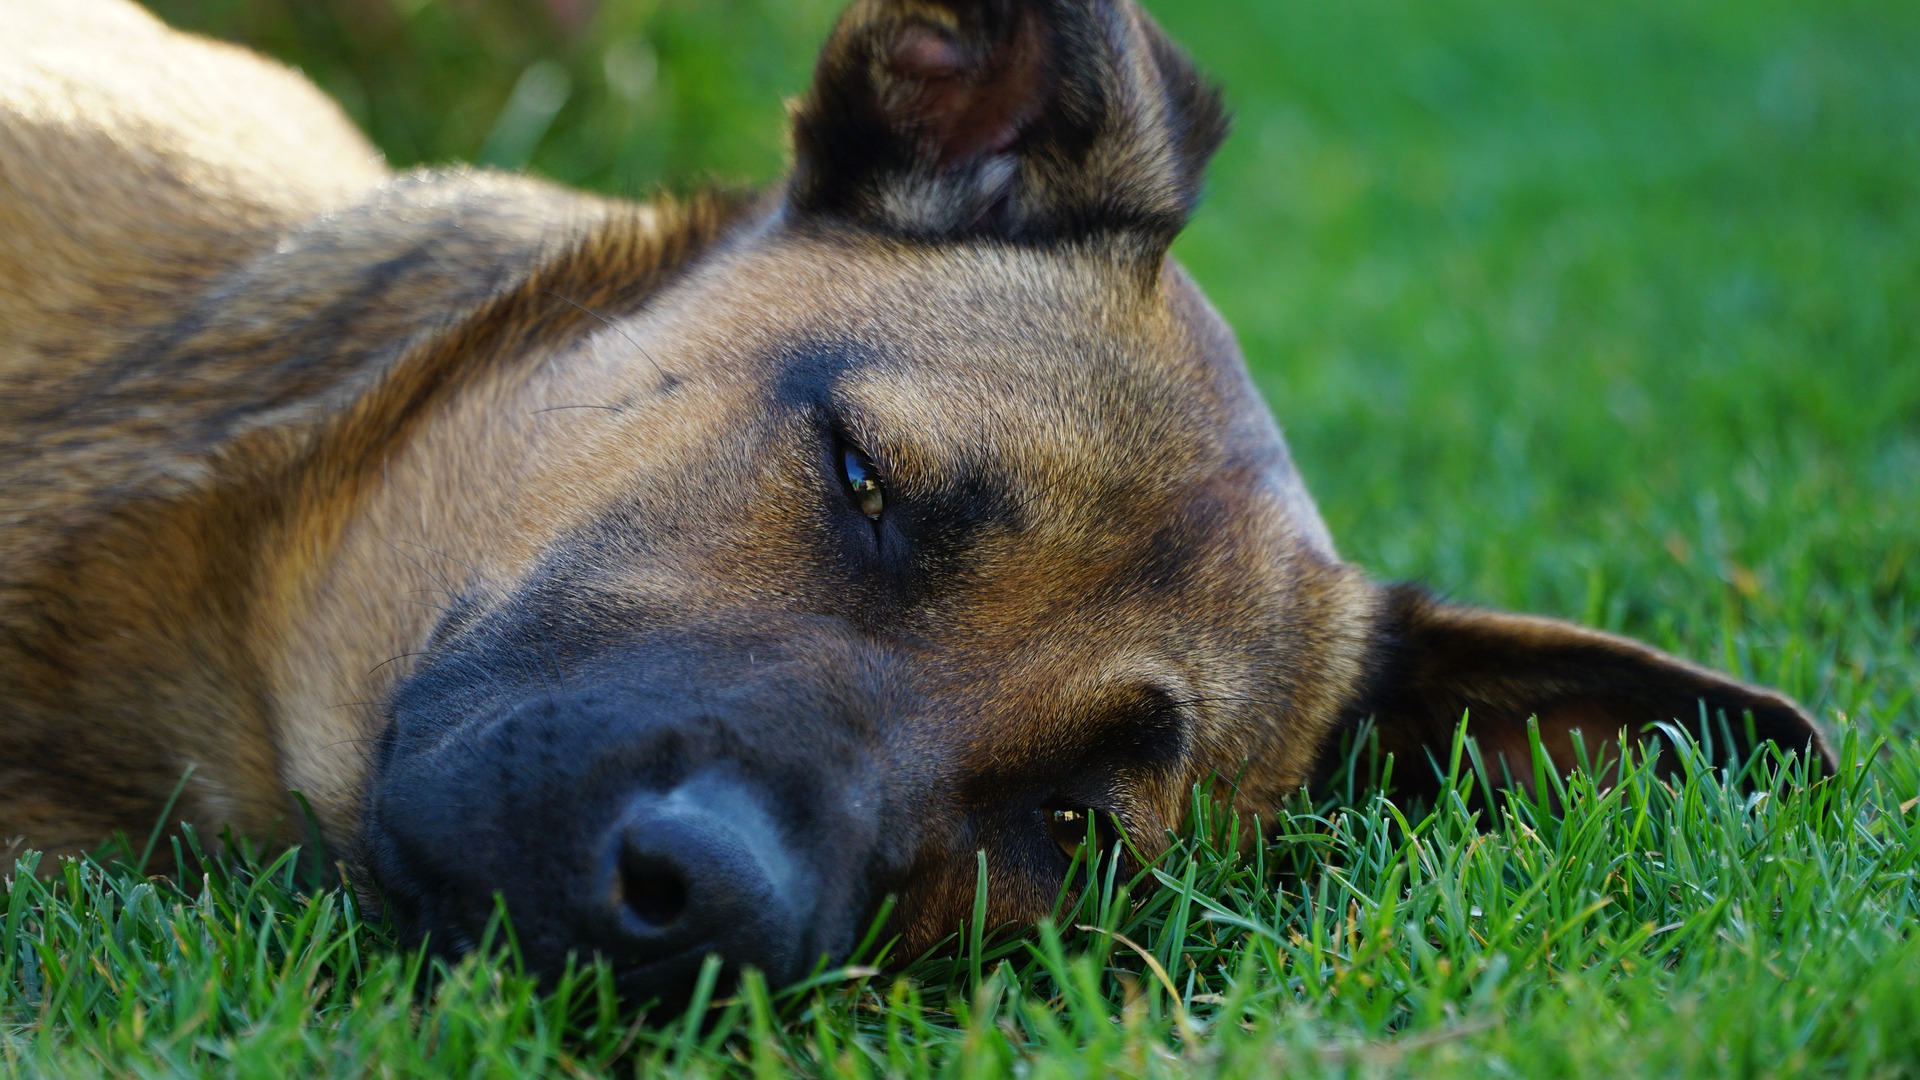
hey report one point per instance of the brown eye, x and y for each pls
(863, 481)
(1069, 829)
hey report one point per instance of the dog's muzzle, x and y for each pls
(651, 809)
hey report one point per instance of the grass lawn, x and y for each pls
(1609, 311)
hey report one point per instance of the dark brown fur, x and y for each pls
(290, 451)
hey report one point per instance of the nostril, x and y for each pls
(702, 868)
(653, 889)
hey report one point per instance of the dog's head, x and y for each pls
(930, 513)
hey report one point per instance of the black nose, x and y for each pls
(704, 869)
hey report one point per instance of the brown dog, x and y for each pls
(694, 574)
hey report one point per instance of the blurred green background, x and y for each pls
(1606, 310)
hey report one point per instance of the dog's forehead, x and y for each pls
(1069, 350)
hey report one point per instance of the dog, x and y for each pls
(693, 575)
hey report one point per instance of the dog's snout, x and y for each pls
(705, 869)
(657, 810)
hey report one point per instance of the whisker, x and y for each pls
(357, 741)
(609, 324)
(442, 554)
(392, 659)
(418, 565)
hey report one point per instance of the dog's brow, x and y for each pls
(808, 372)
(963, 493)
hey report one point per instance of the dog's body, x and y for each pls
(549, 545)
(203, 266)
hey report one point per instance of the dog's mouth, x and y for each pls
(703, 869)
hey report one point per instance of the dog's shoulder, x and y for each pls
(263, 351)
(137, 162)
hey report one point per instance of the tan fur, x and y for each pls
(165, 528)
(136, 161)
(135, 165)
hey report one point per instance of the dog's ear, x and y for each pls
(1031, 120)
(1434, 661)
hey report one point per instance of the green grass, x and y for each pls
(1654, 928)
(1609, 311)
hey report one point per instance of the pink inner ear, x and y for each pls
(922, 52)
(966, 108)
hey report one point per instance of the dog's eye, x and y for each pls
(1069, 828)
(863, 481)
